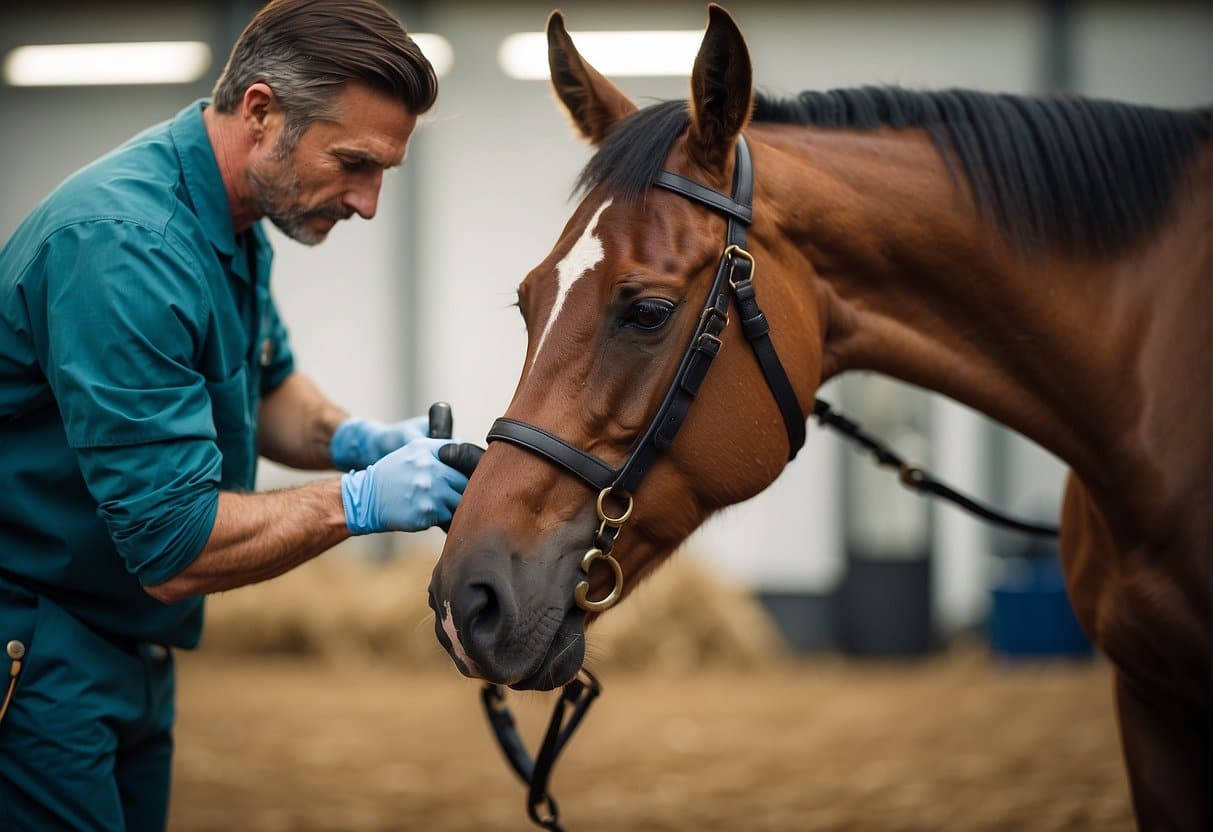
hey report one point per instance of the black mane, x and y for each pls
(1084, 175)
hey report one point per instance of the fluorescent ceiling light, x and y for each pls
(78, 64)
(437, 49)
(524, 55)
(166, 62)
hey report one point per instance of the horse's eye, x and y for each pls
(648, 313)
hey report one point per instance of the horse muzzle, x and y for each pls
(510, 618)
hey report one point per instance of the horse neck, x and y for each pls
(911, 283)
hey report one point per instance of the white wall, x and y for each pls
(415, 306)
(1149, 53)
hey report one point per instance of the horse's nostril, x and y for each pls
(482, 613)
(477, 618)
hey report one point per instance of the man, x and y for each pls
(143, 368)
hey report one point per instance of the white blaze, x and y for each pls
(585, 254)
(448, 627)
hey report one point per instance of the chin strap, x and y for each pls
(575, 699)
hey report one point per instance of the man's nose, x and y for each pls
(363, 199)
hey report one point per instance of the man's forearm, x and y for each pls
(296, 424)
(260, 536)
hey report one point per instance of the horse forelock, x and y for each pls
(634, 151)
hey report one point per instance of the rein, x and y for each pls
(575, 699)
(733, 281)
(915, 478)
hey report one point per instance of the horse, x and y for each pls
(1045, 260)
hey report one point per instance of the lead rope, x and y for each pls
(915, 478)
(575, 699)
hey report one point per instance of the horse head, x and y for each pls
(609, 315)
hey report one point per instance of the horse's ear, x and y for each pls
(721, 91)
(593, 102)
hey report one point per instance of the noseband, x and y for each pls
(734, 278)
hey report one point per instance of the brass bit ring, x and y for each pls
(582, 591)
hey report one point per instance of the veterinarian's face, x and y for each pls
(336, 168)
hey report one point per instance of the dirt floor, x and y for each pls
(957, 742)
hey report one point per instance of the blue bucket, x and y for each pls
(1030, 613)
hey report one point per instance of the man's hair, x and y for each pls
(306, 51)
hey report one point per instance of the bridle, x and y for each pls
(734, 280)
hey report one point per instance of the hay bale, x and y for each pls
(685, 619)
(349, 609)
(337, 607)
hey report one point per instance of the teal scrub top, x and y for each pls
(137, 337)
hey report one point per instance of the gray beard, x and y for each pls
(277, 197)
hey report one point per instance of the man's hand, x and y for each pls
(408, 490)
(357, 443)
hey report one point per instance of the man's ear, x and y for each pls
(594, 103)
(258, 108)
(721, 91)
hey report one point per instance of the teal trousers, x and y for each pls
(87, 740)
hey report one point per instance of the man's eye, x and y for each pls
(353, 165)
(648, 314)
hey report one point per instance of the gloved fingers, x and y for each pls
(462, 456)
(395, 436)
(454, 479)
(358, 442)
(431, 506)
(406, 430)
(351, 445)
(410, 489)
(427, 444)
(447, 495)
(444, 473)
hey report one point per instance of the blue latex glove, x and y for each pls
(408, 490)
(358, 442)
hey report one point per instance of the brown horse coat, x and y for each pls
(1075, 310)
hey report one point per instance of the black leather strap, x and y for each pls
(712, 320)
(695, 192)
(758, 332)
(575, 699)
(704, 346)
(915, 478)
(596, 473)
